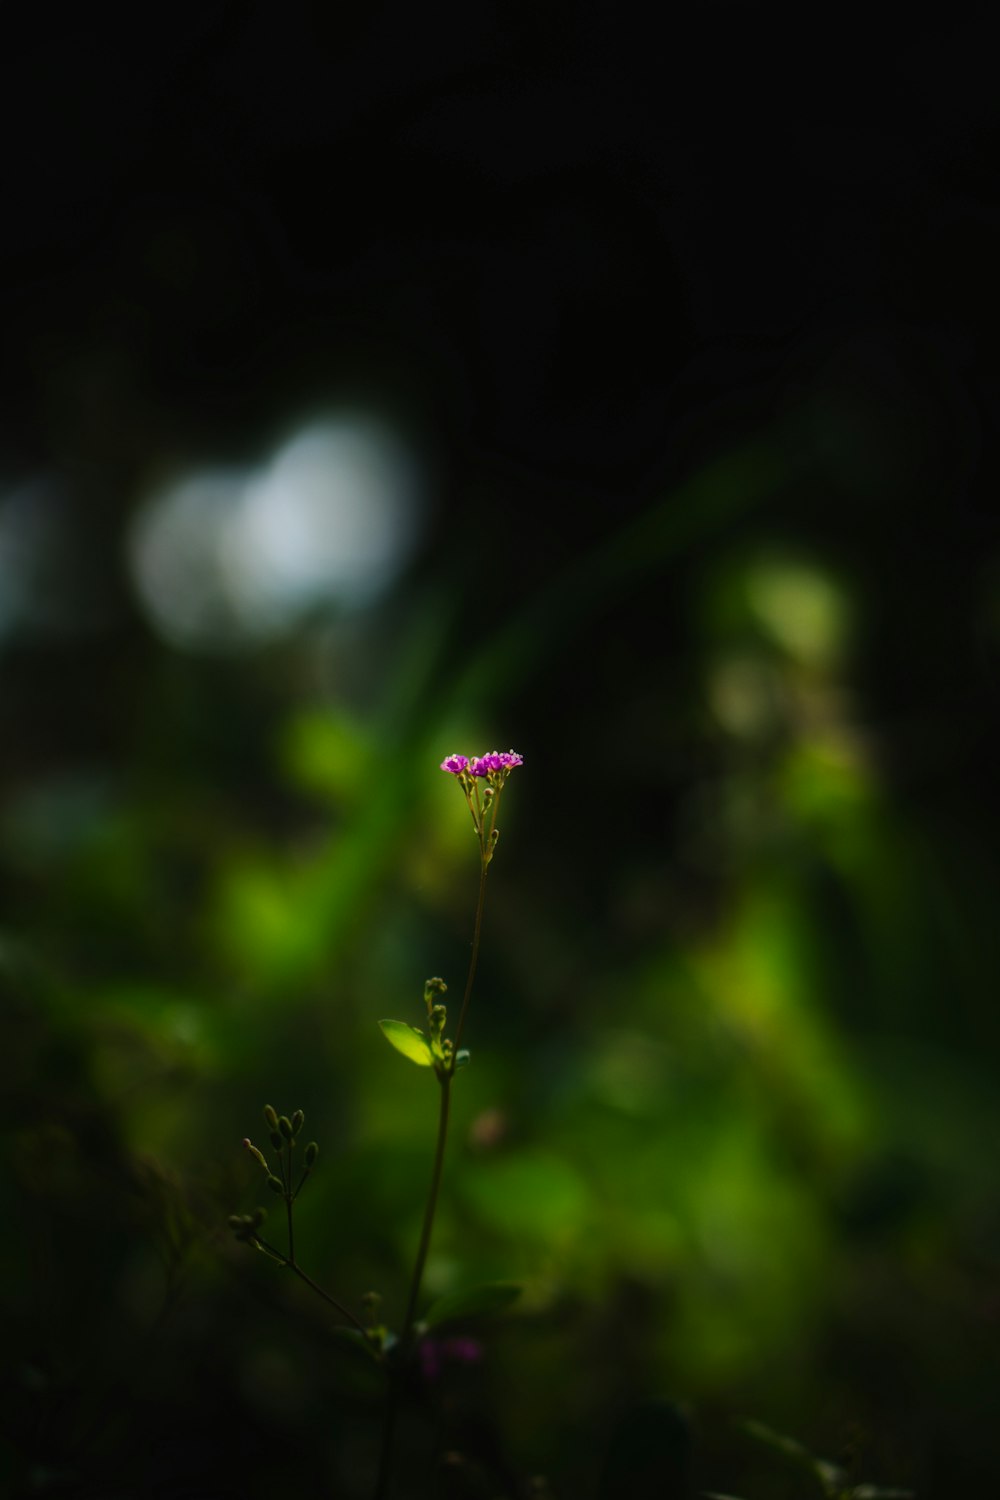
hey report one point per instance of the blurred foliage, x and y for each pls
(729, 1109)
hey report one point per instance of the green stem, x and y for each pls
(444, 1079)
(285, 1260)
(432, 1198)
(474, 958)
(389, 1426)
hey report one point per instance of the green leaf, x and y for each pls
(476, 1302)
(408, 1040)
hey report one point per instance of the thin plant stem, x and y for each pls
(389, 1426)
(474, 958)
(293, 1265)
(432, 1198)
(288, 1207)
(444, 1079)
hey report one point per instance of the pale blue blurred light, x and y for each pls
(226, 558)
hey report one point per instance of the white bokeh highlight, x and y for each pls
(224, 558)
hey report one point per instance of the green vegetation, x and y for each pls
(728, 1117)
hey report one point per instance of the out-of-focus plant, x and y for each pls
(828, 1481)
(482, 779)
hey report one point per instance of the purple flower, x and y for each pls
(482, 765)
(434, 1354)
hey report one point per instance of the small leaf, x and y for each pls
(476, 1302)
(408, 1040)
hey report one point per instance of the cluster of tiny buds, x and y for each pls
(245, 1226)
(482, 765)
(283, 1132)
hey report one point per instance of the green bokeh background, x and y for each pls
(731, 1115)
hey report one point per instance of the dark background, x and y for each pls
(691, 324)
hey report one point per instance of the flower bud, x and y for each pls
(434, 987)
(248, 1145)
(298, 1120)
(277, 1140)
(312, 1151)
(243, 1226)
(285, 1126)
(276, 1185)
(270, 1117)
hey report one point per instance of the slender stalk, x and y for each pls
(444, 1079)
(288, 1206)
(474, 958)
(285, 1260)
(389, 1426)
(432, 1198)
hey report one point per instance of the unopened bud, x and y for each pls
(434, 987)
(312, 1151)
(258, 1155)
(298, 1120)
(243, 1226)
(285, 1126)
(277, 1140)
(270, 1117)
(276, 1185)
(257, 1217)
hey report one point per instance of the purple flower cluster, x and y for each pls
(482, 765)
(434, 1354)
